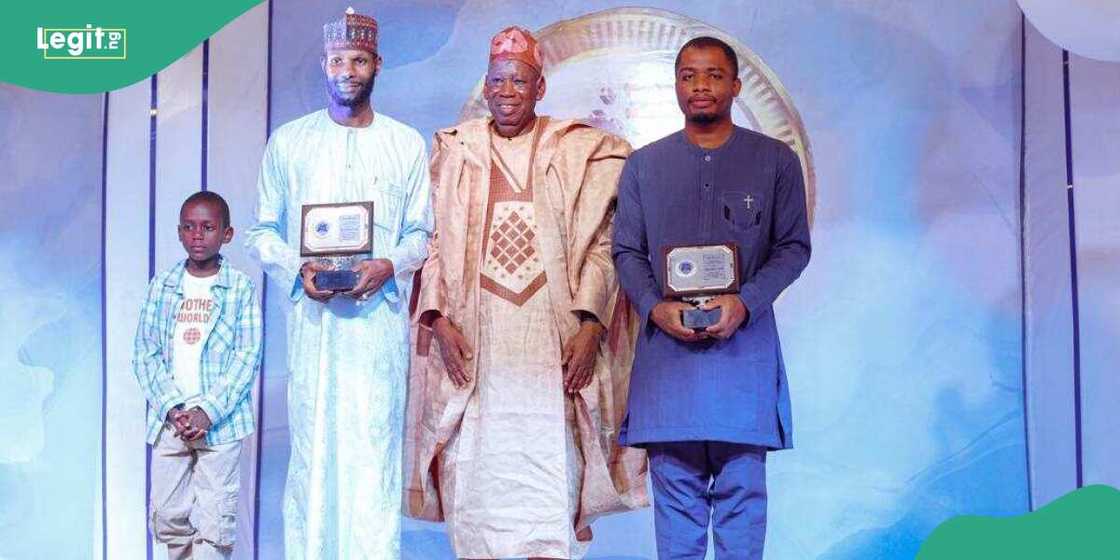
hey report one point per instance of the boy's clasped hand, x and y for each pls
(189, 424)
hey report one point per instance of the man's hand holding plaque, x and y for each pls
(705, 277)
(732, 313)
(307, 273)
(339, 240)
(372, 274)
(667, 316)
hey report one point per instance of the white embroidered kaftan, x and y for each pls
(348, 359)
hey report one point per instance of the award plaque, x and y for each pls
(340, 233)
(696, 274)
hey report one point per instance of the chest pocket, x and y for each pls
(221, 337)
(741, 211)
(388, 198)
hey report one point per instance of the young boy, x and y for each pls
(197, 350)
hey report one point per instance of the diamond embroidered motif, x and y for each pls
(512, 260)
(513, 246)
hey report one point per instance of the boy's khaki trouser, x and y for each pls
(194, 496)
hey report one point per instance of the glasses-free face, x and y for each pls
(203, 231)
(706, 85)
(350, 75)
(511, 90)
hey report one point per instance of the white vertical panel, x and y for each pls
(1049, 315)
(238, 101)
(1095, 125)
(178, 159)
(275, 442)
(237, 130)
(178, 150)
(98, 535)
(126, 270)
(99, 505)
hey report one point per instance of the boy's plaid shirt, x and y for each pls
(231, 354)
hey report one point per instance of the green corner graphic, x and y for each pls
(1082, 525)
(73, 46)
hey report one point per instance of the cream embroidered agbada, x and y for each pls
(514, 465)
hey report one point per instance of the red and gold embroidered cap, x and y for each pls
(352, 31)
(516, 43)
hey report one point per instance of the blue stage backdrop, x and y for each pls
(903, 339)
(903, 336)
(50, 324)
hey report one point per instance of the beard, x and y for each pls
(359, 97)
(703, 118)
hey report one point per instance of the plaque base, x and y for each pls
(336, 280)
(699, 319)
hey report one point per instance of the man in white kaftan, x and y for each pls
(348, 353)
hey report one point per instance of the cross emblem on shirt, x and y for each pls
(749, 200)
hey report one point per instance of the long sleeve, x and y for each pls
(598, 198)
(147, 357)
(416, 227)
(597, 280)
(630, 247)
(790, 247)
(243, 362)
(431, 296)
(265, 241)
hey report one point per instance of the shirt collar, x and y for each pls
(736, 132)
(175, 278)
